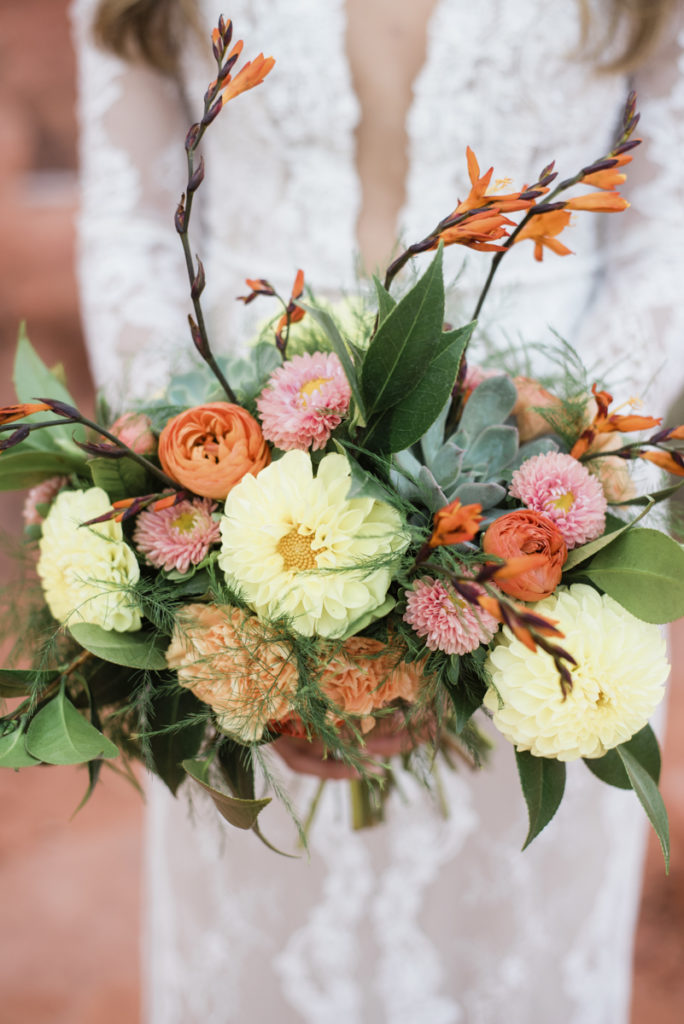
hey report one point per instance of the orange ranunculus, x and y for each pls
(532, 397)
(210, 448)
(17, 412)
(542, 230)
(455, 523)
(526, 532)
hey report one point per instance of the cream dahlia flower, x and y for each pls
(296, 546)
(616, 685)
(86, 571)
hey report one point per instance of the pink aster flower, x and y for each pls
(179, 536)
(448, 623)
(42, 494)
(303, 401)
(561, 488)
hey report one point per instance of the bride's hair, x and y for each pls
(150, 30)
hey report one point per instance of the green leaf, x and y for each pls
(171, 746)
(644, 571)
(465, 701)
(386, 302)
(248, 374)
(405, 343)
(33, 380)
(643, 746)
(342, 352)
(240, 813)
(362, 484)
(543, 784)
(26, 468)
(365, 620)
(120, 478)
(579, 555)
(13, 752)
(403, 425)
(58, 734)
(654, 496)
(494, 448)
(650, 798)
(20, 682)
(133, 650)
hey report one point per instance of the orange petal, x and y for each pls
(523, 634)
(17, 412)
(664, 460)
(555, 246)
(676, 434)
(598, 202)
(491, 605)
(166, 502)
(298, 286)
(516, 566)
(625, 424)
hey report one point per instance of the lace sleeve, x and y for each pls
(637, 317)
(133, 285)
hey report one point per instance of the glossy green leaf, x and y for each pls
(341, 350)
(13, 752)
(405, 344)
(133, 650)
(33, 381)
(651, 800)
(644, 571)
(120, 478)
(581, 554)
(543, 784)
(240, 813)
(58, 734)
(386, 302)
(171, 746)
(643, 746)
(490, 403)
(21, 468)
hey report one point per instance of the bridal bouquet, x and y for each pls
(348, 542)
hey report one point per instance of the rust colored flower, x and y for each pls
(526, 532)
(598, 202)
(673, 462)
(532, 397)
(17, 412)
(542, 229)
(250, 74)
(455, 523)
(208, 449)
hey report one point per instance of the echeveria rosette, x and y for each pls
(616, 685)
(87, 571)
(294, 545)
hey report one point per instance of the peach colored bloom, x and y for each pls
(232, 662)
(208, 449)
(448, 622)
(366, 675)
(531, 397)
(612, 472)
(303, 401)
(42, 494)
(135, 430)
(526, 532)
(179, 536)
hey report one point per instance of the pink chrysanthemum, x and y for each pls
(561, 488)
(177, 537)
(447, 622)
(42, 494)
(303, 402)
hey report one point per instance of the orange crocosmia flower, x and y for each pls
(665, 460)
(477, 232)
(542, 230)
(294, 313)
(17, 412)
(251, 74)
(522, 634)
(480, 194)
(455, 523)
(609, 178)
(626, 424)
(598, 202)
(491, 605)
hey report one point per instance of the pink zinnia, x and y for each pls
(179, 536)
(447, 622)
(561, 488)
(303, 402)
(42, 494)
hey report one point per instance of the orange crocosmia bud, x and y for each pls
(665, 460)
(542, 230)
(166, 502)
(17, 412)
(522, 634)
(455, 524)
(520, 564)
(491, 605)
(676, 434)
(626, 424)
(610, 177)
(598, 202)
(250, 75)
(298, 286)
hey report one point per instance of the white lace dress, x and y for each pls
(422, 919)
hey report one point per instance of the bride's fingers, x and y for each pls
(307, 757)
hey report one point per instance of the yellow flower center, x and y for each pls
(185, 522)
(307, 390)
(295, 550)
(563, 502)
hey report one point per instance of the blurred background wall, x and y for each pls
(70, 889)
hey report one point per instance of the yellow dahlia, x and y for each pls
(296, 546)
(87, 571)
(616, 685)
(229, 661)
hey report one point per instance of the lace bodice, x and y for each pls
(422, 919)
